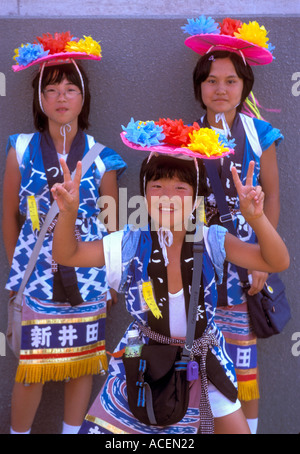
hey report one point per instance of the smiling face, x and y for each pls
(222, 90)
(170, 202)
(170, 187)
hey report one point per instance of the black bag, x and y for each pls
(157, 382)
(269, 309)
(157, 388)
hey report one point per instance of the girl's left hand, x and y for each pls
(251, 197)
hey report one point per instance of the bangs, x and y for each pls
(168, 167)
(55, 74)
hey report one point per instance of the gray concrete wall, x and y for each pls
(142, 8)
(146, 72)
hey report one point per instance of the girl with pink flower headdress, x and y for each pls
(60, 336)
(223, 81)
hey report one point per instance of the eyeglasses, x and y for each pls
(52, 93)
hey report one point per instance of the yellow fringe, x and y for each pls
(41, 373)
(248, 390)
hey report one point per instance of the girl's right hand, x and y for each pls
(66, 194)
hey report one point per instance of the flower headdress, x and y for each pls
(174, 138)
(57, 49)
(177, 140)
(250, 41)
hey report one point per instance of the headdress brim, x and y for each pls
(253, 54)
(58, 59)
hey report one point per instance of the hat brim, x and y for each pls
(253, 54)
(58, 59)
(175, 152)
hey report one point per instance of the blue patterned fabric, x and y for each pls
(110, 412)
(136, 250)
(92, 281)
(267, 135)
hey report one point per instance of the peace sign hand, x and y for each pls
(251, 197)
(66, 194)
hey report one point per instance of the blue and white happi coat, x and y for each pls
(258, 137)
(91, 281)
(129, 266)
(127, 255)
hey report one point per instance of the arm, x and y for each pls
(109, 200)
(269, 179)
(109, 191)
(66, 250)
(10, 214)
(270, 254)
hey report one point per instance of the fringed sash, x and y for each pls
(59, 342)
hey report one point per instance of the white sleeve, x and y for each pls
(112, 246)
(22, 143)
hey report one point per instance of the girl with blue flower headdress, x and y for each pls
(223, 80)
(62, 331)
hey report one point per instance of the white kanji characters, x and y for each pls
(67, 335)
(94, 430)
(243, 357)
(92, 332)
(200, 313)
(40, 337)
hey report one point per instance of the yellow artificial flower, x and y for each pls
(254, 33)
(205, 141)
(87, 45)
(16, 51)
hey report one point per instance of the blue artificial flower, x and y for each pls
(271, 48)
(226, 142)
(202, 25)
(144, 133)
(28, 53)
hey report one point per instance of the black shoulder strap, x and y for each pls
(225, 215)
(198, 249)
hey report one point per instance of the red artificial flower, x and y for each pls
(56, 43)
(230, 26)
(176, 132)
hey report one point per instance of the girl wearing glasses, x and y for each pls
(63, 308)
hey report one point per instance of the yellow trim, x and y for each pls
(62, 320)
(246, 371)
(67, 350)
(45, 361)
(239, 342)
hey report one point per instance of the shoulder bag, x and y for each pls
(158, 380)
